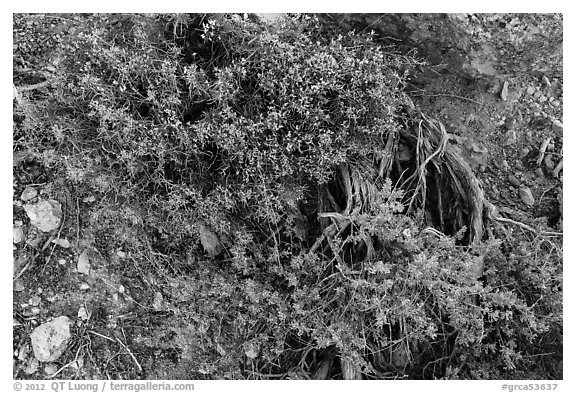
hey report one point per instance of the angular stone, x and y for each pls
(514, 181)
(44, 215)
(17, 235)
(526, 196)
(210, 241)
(28, 193)
(83, 265)
(49, 340)
(504, 92)
(64, 243)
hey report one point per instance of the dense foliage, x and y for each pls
(208, 141)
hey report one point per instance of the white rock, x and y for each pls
(44, 215)
(49, 340)
(83, 265)
(504, 92)
(82, 313)
(32, 366)
(210, 241)
(64, 243)
(17, 234)
(157, 304)
(526, 196)
(18, 285)
(28, 194)
(51, 369)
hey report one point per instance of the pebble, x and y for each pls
(18, 285)
(526, 196)
(518, 165)
(44, 215)
(557, 125)
(49, 340)
(530, 90)
(505, 165)
(542, 99)
(82, 313)
(511, 137)
(84, 286)
(524, 152)
(556, 103)
(504, 92)
(210, 241)
(28, 194)
(83, 265)
(32, 366)
(17, 235)
(35, 300)
(548, 163)
(537, 94)
(64, 243)
(62, 261)
(514, 181)
(546, 81)
(51, 369)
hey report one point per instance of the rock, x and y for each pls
(511, 138)
(530, 90)
(83, 314)
(477, 155)
(89, 199)
(17, 235)
(35, 300)
(514, 181)
(504, 92)
(32, 366)
(49, 340)
(549, 163)
(83, 265)
(546, 81)
(526, 196)
(18, 285)
(28, 194)
(524, 152)
(251, 351)
(539, 173)
(64, 243)
(44, 215)
(210, 241)
(51, 369)
(557, 125)
(157, 304)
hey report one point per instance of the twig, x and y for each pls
(527, 227)
(57, 237)
(130, 353)
(31, 261)
(558, 168)
(542, 151)
(33, 87)
(545, 192)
